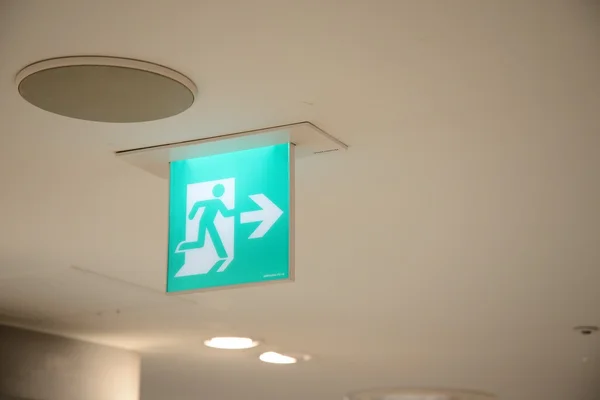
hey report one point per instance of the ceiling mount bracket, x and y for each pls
(308, 138)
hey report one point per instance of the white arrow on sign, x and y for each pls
(267, 215)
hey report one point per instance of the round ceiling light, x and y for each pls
(272, 357)
(231, 343)
(106, 89)
(418, 394)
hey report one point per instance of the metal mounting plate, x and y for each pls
(308, 138)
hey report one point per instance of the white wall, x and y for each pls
(38, 366)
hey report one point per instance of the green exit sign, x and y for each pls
(231, 219)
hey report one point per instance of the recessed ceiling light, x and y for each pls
(418, 394)
(417, 397)
(106, 89)
(231, 343)
(276, 358)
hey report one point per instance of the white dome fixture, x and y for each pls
(231, 343)
(418, 394)
(106, 89)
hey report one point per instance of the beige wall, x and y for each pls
(38, 366)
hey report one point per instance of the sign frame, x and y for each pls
(291, 233)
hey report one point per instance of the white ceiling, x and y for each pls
(455, 244)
